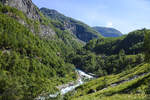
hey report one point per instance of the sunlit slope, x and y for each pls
(130, 82)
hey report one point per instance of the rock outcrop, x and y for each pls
(25, 6)
(33, 13)
(79, 29)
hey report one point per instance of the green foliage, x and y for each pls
(147, 46)
(29, 64)
(113, 55)
(13, 12)
(101, 65)
(132, 44)
(138, 85)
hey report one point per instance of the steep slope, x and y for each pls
(108, 32)
(131, 44)
(32, 13)
(38, 24)
(81, 30)
(25, 6)
(130, 82)
(32, 63)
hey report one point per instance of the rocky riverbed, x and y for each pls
(65, 88)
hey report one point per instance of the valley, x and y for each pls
(65, 88)
(45, 55)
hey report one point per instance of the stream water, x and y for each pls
(69, 87)
(82, 75)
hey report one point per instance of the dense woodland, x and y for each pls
(111, 55)
(31, 65)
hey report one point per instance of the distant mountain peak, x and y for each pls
(108, 31)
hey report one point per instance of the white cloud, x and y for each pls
(109, 24)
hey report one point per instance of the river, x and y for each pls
(63, 89)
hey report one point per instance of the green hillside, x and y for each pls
(110, 55)
(137, 87)
(131, 44)
(31, 64)
(131, 83)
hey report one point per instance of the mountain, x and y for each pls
(30, 16)
(40, 53)
(108, 32)
(81, 30)
(33, 52)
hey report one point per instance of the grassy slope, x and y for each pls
(92, 90)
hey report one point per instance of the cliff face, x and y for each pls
(25, 6)
(82, 31)
(33, 13)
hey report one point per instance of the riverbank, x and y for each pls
(63, 89)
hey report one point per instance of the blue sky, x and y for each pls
(124, 15)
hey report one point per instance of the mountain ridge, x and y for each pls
(81, 30)
(107, 31)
